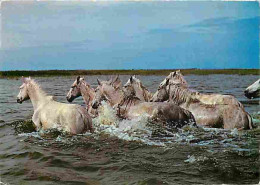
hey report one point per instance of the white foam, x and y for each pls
(142, 130)
(129, 130)
(192, 159)
(234, 132)
(32, 134)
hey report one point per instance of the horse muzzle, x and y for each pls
(19, 100)
(69, 99)
(251, 95)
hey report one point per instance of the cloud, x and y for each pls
(228, 25)
(224, 24)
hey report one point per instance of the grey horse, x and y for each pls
(51, 114)
(217, 116)
(253, 91)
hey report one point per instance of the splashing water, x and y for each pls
(130, 130)
(146, 132)
(192, 159)
(107, 116)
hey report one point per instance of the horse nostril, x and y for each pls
(18, 100)
(70, 98)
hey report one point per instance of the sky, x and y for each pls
(129, 35)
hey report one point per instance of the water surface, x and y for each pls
(128, 152)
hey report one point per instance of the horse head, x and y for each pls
(253, 91)
(74, 91)
(162, 93)
(107, 91)
(135, 87)
(23, 94)
(175, 78)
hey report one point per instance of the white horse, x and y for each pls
(81, 88)
(253, 91)
(51, 114)
(228, 116)
(130, 106)
(176, 78)
(140, 90)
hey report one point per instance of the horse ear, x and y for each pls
(78, 78)
(110, 81)
(116, 78)
(117, 82)
(99, 83)
(131, 79)
(167, 81)
(25, 80)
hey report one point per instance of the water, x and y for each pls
(126, 152)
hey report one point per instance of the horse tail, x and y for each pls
(86, 119)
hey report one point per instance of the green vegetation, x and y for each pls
(14, 74)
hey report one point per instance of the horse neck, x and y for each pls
(37, 95)
(183, 81)
(87, 93)
(142, 93)
(148, 95)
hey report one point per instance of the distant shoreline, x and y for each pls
(46, 73)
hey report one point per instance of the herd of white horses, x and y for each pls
(173, 105)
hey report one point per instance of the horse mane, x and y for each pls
(179, 94)
(128, 98)
(87, 92)
(126, 102)
(86, 84)
(36, 87)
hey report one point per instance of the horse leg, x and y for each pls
(36, 120)
(87, 121)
